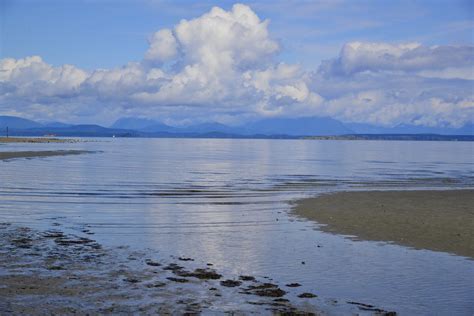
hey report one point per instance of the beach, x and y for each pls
(431, 219)
(68, 274)
(32, 154)
(35, 140)
(173, 226)
(5, 155)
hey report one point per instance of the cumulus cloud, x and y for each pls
(223, 66)
(391, 84)
(410, 57)
(33, 77)
(163, 46)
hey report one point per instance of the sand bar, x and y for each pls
(434, 220)
(36, 140)
(45, 153)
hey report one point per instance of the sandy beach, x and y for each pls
(434, 220)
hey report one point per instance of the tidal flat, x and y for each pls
(439, 220)
(6, 155)
(172, 206)
(51, 272)
(36, 140)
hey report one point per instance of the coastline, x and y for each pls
(36, 140)
(6, 155)
(425, 219)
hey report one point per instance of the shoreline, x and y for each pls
(437, 220)
(36, 140)
(7, 155)
(68, 274)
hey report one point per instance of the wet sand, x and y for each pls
(51, 272)
(45, 153)
(434, 220)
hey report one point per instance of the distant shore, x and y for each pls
(35, 140)
(434, 220)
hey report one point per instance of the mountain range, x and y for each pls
(272, 127)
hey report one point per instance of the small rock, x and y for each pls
(179, 280)
(185, 259)
(230, 283)
(156, 284)
(152, 263)
(131, 280)
(293, 285)
(246, 278)
(307, 295)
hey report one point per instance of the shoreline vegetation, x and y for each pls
(425, 219)
(67, 274)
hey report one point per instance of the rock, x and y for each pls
(265, 289)
(293, 285)
(230, 283)
(307, 295)
(173, 267)
(185, 259)
(131, 280)
(156, 284)
(276, 292)
(202, 274)
(246, 278)
(152, 263)
(179, 280)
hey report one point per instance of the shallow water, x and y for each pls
(227, 202)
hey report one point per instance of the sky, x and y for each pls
(182, 62)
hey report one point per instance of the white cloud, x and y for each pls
(32, 77)
(358, 57)
(222, 65)
(163, 46)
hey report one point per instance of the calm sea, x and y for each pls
(227, 202)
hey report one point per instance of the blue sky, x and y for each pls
(105, 34)
(285, 80)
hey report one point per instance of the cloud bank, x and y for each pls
(223, 66)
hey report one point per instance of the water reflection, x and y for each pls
(226, 202)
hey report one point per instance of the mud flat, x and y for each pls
(54, 273)
(5, 155)
(434, 220)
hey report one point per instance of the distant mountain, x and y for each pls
(358, 128)
(133, 123)
(266, 128)
(14, 122)
(210, 128)
(56, 124)
(141, 124)
(305, 126)
(78, 130)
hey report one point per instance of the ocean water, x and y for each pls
(227, 202)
